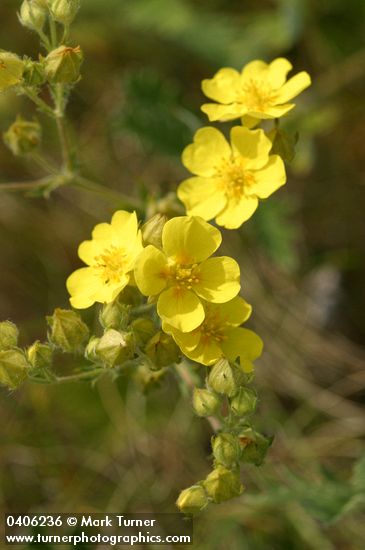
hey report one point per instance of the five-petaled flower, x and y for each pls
(230, 178)
(110, 257)
(182, 273)
(259, 91)
(220, 335)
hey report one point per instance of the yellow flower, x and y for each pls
(182, 273)
(230, 178)
(110, 257)
(260, 91)
(220, 335)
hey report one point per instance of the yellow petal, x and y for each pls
(180, 308)
(186, 341)
(223, 112)
(237, 212)
(252, 145)
(275, 111)
(219, 279)
(223, 87)
(249, 121)
(201, 197)
(149, 271)
(190, 239)
(234, 313)
(242, 343)
(294, 86)
(125, 227)
(208, 150)
(269, 178)
(278, 69)
(89, 250)
(207, 352)
(255, 70)
(102, 231)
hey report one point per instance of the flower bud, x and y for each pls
(91, 349)
(8, 335)
(283, 143)
(40, 355)
(222, 378)
(62, 65)
(115, 347)
(226, 449)
(11, 70)
(67, 330)
(162, 350)
(33, 74)
(205, 402)
(33, 14)
(23, 136)
(13, 367)
(152, 230)
(115, 315)
(254, 446)
(146, 378)
(64, 11)
(143, 329)
(192, 500)
(223, 484)
(244, 402)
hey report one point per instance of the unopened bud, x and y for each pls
(152, 230)
(223, 484)
(143, 329)
(192, 500)
(63, 64)
(114, 347)
(33, 14)
(205, 402)
(64, 11)
(162, 350)
(226, 449)
(148, 379)
(23, 136)
(13, 368)
(67, 330)
(222, 378)
(244, 402)
(33, 74)
(40, 355)
(11, 70)
(115, 315)
(283, 143)
(91, 348)
(254, 446)
(8, 335)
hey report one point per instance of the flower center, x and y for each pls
(257, 95)
(235, 181)
(182, 276)
(212, 328)
(111, 264)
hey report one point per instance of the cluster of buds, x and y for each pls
(33, 14)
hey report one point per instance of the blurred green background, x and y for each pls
(111, 447)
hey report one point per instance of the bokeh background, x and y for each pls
(114, 448)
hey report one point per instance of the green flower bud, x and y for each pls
(283, 143)
(254, 446)
(11, 70)
(226, 449)
(13, 367)
(223, 484)
(143, 329)
(205, 402)
(114, 347)
(192, 500)
(222, 378)
(33, 74)
(33, 14)
(91, 349)
(162, 350)
(244, 402)
(8, 335)
(146, 378)
(23, 136)
(63, 64)
(67, 330)
(115, 315)
(152, 230)
(40, 355)
(64, 11)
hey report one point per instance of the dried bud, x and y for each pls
(152, 230)
(33, 74)
(244, 402)
(33, 14)
(143, 329)
(68, 331)
(63, 64)
(64, 11)
(11, 70)
(205, 402)
(222, 378)
(8, 335)
(192, 500)
(254, 446)
(40, 355)
(115, 315)
(13, 367)
(162, 350)
(223, 484)
(115, 347)
(226, 449)
(23, 136)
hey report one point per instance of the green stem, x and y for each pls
(43, 163)
(53, 30)
(93, 373)
(42, 105)
(128, 202)
(25, 185)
